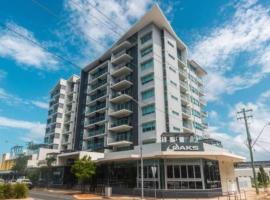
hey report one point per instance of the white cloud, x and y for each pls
(41, 104)
(35, 130)
(236, 140)
(244, 34)
(23, 51)
(12, 100)
(94, 28)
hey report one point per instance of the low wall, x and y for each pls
(168, 193)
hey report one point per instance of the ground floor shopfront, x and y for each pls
(170, 177)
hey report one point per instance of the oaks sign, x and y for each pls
(177, 146)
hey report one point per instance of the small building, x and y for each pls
(244, 173)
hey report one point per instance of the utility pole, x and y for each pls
(245, 114)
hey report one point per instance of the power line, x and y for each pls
(52, 13)
(78, 5)
(108, 18)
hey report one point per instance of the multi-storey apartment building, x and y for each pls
(143, 90)
(62, 114)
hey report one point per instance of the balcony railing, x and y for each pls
(100, 72)
(126, 106)
(98, 84)
(184, 85)
(95, 120)
(94, 146)
(185, 97)
(116, 94)
(121, 122)
(186, 111)
(187, 125)
(93, 132)
(97, 107)
(98, 95)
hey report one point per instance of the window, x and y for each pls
(175, 113)
(176, 128)
(149, 126)
(171, 56)
(171, 44)
(170, 171)
(176, 171)
(146, 37)
(148, 78)
(148, 109)
(147, 94)
(173, 83)
(174, 97)
(183, 171)
(196, 113)
(147, 65)
(197, 171)
(146, 51)
(190, 171)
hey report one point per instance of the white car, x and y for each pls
(25, 181)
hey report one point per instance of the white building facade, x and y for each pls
(143, 90)
(62, 114)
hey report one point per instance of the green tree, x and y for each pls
(20, 164)
(263, 178)
(83, 169)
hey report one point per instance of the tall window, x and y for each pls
(148, 94)
(146, 37)
(148, 78)
(149, 126)
(147, 65)
(148, 109)
(146, 51)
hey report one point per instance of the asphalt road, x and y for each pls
(43, 195)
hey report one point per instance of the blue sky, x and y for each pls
(230, 39)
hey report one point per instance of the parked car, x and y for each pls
(2, 181)
(25, 181)
(12, 181)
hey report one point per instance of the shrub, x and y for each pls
(8, 191)
(20, 190)
(2, 196)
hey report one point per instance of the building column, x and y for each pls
(227, 176)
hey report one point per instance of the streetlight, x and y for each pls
(260, 133)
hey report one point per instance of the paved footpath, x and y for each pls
(45, 195)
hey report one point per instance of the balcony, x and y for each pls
(200, 81)
(98, 84)
(185, 99)
(99, 72)
(121, 110)
(202, 102)
(120, 140)
(204, 114)
(121, 71)
(181, 61)
(121, 97)
(98, 95)
(187, 127)
(204, 125)
(186, 113)
(95, 146)
(95, 108)
(183, 73)
(183, 86)
(121, 125)
(94, 120)
(121, 46)
(201, 91)
(94, 132)
(122, 83)
(120, 57)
